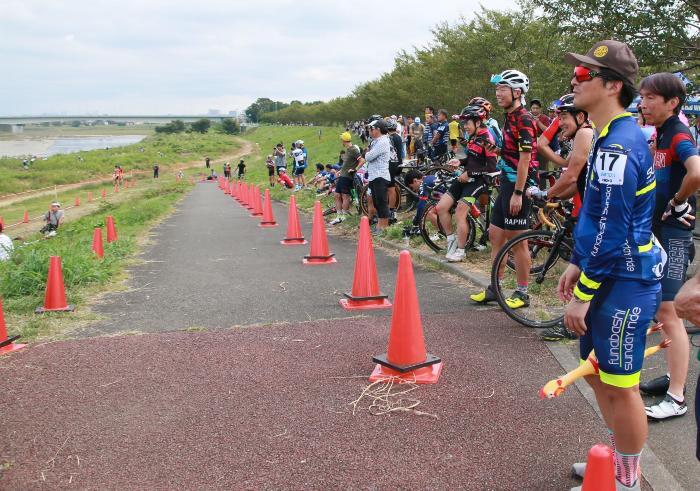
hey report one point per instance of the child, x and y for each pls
(241, 170)
(319, 178)
(284, 178)
(270, 164)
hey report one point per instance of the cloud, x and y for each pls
(162, 56)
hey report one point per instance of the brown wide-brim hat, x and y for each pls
(610, 54)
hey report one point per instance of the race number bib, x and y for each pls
(610, 166)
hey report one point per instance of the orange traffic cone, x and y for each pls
(600, 469)
(244, 195)
(294, 235)
(7, 344)
(77, 201)
(89, 196)
(319, 241)
(268, 219)
(111, 229)
(250, 197)
(227, 187)
(365, 284)
(2, 222)
(25, 219)
(406, 356)
(257, 203)
(55, 297)
(97, 245)
(104, 194)
(235, 190)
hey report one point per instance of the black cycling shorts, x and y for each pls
(394, 170)
(467, 191)
(500, 214)
(380, 196)
(343, 185)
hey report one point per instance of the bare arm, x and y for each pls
(577, 163)
(545, 151)
(691, 181)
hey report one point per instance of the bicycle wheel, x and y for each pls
(546, 250)
(362, 205)
(433, 236)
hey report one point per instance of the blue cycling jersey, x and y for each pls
(613, 237)
(426, 188)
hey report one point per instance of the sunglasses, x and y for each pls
(583, 74)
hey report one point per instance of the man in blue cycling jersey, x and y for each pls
(612, 284)
(441, 135)
(677, 168)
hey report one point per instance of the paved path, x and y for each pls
(251, 402)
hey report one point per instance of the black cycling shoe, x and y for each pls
(656, 387)
(557, 333)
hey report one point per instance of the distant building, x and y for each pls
(213, 112)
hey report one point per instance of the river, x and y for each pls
(45, 147)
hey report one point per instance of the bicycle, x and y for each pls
(550, 251)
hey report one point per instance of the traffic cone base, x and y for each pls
(10, 347)
(293, 242)
(314, 260)
(600, 469)
(267, 224)
(424, 375)
(365, 303)
(67, 308)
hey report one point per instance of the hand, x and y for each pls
(567, 282)
(463, 177)
(680, 212)
(535, 192)
(575, 316)
(516, 204)
(687, 301)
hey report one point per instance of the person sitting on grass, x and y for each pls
(6, 245)
(284, 178)
(320, 177)
(53, 218)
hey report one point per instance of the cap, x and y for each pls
(56, 203)
(346, 136)
(380, 124)
(610, 54)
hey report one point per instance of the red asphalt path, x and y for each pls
(259, 408)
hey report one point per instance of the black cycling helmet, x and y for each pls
(480, 101)
(566, 104)
(391, 125)
(475, 113)
(373, 117)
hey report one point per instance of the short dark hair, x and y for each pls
(319, 166)
(1, 227)
(411, 176)
(535, 101)
(668, 86)
(444, 113)
(432, 109)
(328, 166)
(627, 93)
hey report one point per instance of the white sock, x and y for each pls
(678, 399)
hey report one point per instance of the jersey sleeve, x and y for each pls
(683, 147)
(618, 190)
(551, 130)
(526, 133)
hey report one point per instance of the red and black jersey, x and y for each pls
(519, 136)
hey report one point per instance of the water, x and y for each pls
(71, 145)
(45, 147)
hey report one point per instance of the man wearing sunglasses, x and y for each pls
(612, 284)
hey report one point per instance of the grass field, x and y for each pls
(68, 168)
(23, 277)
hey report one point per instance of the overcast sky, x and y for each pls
(186, 57)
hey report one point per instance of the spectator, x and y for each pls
(284, 178)
(441, 134)
(409, 136)
(53, 218)
(155, 170)
(241, 169)
(206, 161)
(343, 187)
(270, 164)
(695, 131)
(417, 132)
(280, 158)
(542, 122)
(6, 246)
(377, 158)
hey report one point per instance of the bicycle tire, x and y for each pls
(519, 315)
(425, 232)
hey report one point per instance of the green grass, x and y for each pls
(67, 168)
(23, 277)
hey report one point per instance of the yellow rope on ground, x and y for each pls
(385, 397)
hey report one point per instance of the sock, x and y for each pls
(612, 438)
(450, 238)
(679, 399)
(522, 289)
(626, 468)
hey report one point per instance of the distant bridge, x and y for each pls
(20, 120)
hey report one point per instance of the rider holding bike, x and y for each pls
(465, 190)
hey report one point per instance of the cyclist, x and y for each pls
(465, 190)
(518, 165)
(424, 186)
(612, 283)
(490, 122)
(441, 135)
(678, 178)
(428, 135)
(572, 124)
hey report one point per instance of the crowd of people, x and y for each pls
(633, 182)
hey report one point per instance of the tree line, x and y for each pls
(227, 126)
(459, 62)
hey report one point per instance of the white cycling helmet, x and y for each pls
(299, 142)
(513, 79)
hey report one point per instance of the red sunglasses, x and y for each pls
(583, 74)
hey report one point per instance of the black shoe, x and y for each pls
(656, 387)
(557, 333)
(484, 296)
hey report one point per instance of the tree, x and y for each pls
(176, 126)
(201, 125)
(263, 105)
(663, 34)
(229, 126)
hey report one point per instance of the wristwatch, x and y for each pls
(518, 192)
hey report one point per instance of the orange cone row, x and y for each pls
(406, 356)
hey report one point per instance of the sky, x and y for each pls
(187, 57)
